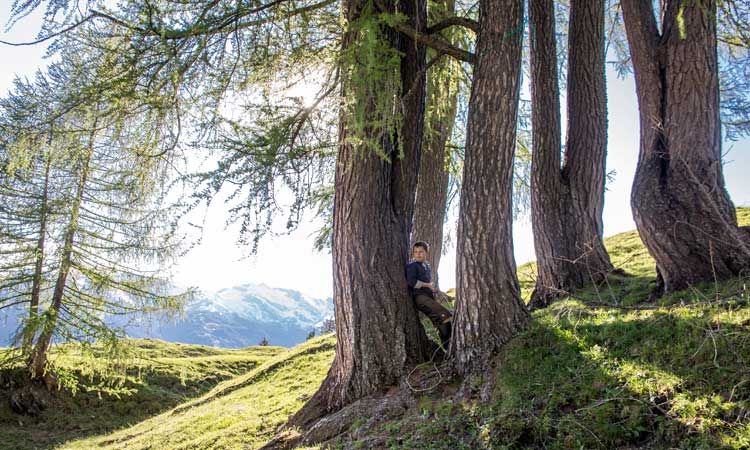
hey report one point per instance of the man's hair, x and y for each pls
(422, 244)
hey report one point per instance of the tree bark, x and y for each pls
(682, 210)
(567, 203)
(489, 310)
(377, 327)
(432, 188)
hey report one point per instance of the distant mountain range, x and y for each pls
(233, 317)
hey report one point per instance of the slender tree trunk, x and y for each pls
(378, 333)
(567, 203)
(681, 207)
(432, 189)
(548, 190)
(36, 283)
(586, 148)
(489, 310)
(38, 359)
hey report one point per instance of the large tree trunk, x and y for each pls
(682, 210)
(432, 189)
(567, 203)
(489, 310)
(378, 334)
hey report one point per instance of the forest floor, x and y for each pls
(599, 369)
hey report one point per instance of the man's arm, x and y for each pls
(411, 276)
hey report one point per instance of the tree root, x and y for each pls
(339, 423)
(542, 298)
(479, 383)
(31, 398)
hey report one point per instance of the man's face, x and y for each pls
(419, 254)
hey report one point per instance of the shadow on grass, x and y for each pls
(152, 391)
(608, 380)
(579, 378)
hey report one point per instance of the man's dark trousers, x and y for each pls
(437, 313)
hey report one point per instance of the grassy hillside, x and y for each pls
(160, 376)
(239, 413)
(583, 375)
(675, 374)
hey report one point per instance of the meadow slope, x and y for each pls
(599, 369)
(158, 376)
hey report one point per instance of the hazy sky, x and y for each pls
(290, 262)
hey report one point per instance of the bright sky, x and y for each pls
(290, 261)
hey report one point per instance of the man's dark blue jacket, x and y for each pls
(416, 271)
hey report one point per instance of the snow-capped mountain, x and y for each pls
(233, 317)
(269, 304)
(240, 316)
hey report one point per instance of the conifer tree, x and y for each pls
(104, 238)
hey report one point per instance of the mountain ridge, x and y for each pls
(233, 317)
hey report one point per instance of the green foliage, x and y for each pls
(444, 78)
(230, 89)
(217, 78)
(370, 69)
(92, 232)
(323, 199)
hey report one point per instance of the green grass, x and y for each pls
(164, 376)
(239, 413)
(583, 375)
(583, 378)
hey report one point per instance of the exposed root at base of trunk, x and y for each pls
(541, 298)
(339, 423)
(356, 423)
(658, 291)
(31, 398)
(312, 425)
(479, 383)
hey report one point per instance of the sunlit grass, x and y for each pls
(239, 413)
(159, 376)
(672, 375)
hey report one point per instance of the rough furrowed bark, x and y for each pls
(547, 187)
(489, 310)
(682, 210)
(567, 203)
(432, 189)
(377, 327)
(432, 195)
